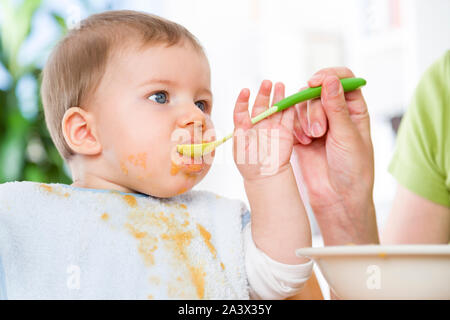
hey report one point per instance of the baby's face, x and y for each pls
(148, 101)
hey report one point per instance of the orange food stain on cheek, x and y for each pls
(138, 160)
(124, 168)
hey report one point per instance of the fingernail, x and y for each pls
(316, 78)
(333, 87)
(279, 85)
(267, 83)
(316, 130)
(304, 139)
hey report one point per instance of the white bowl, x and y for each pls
(385, 272)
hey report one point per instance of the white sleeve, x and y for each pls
(269, 279)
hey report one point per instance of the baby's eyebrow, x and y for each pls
(171, 83)
(207, 91)
(163, 81)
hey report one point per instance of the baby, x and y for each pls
(120, 92)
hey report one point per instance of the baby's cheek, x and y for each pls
(136, 164)
(210, 132)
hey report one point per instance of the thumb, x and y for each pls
(340, 124)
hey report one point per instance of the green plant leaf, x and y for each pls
(15, 29)
(33, 173)
(11, 157)
(61, 22)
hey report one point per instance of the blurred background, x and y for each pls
(388, 42)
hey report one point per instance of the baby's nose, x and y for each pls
(193, 117)
(194, 121)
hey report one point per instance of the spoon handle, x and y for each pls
(349, 84)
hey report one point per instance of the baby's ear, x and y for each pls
(79, 130)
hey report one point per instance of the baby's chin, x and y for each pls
(178, 182)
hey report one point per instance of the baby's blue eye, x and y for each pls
(201, 105)
(159, 97)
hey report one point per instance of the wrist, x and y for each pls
(282, 172)
(348, 222)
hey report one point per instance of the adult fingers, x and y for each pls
(359, 113)
(341, 126)
(356, 104)
(316, 118)
(319, 76)
(298, 131)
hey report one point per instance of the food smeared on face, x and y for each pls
(182, 190)
(138, 160)
(124, 168)
(188, 168)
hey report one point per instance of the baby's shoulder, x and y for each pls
(28, 191)
(19, 190)
(17, 186)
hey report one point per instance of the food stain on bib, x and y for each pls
(154, 280)
(54, 191)
(207, 238)
(155, 229)
(147, 244)
(105, 216)
(198, 277)
(130, 200)
(46, 187)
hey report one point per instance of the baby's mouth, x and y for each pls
(187, 163)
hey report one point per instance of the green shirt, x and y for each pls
(421, 161)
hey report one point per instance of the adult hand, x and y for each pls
(334, 152)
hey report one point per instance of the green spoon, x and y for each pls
(197, 150)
